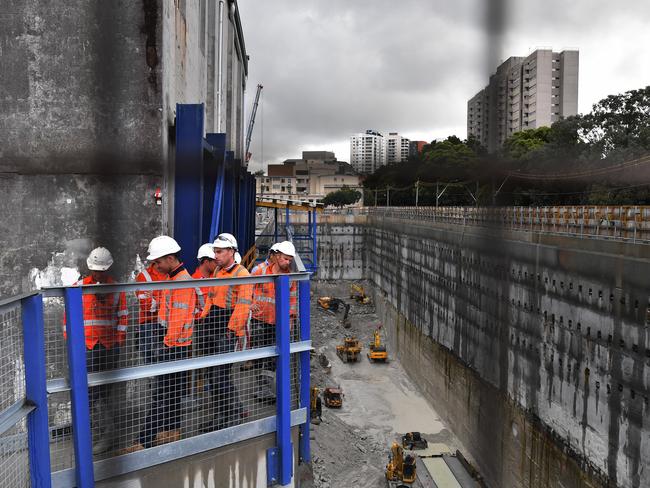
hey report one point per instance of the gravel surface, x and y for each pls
(350, 447)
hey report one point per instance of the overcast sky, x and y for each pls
(331, 68)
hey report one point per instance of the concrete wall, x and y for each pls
(240, 465)
(548, 330)
(88, 92)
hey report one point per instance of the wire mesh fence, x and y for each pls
(14, 457)
(172, 333)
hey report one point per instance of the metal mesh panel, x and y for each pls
(14, 457)
(12, 371)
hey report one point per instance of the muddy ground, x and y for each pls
(350, 447)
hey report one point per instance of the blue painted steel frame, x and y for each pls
(218, 142)
(188, 188)
(78, 376)
(305, 335)
(283, 371)
(36, 391)
(314, 259)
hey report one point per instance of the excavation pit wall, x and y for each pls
(534, 348)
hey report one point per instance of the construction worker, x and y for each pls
(105, 318)
(267, 261)
(263, 309)
(149, 333)
(206, 268)
(224, 328)
(176, 316)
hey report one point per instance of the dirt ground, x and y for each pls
(350, 447)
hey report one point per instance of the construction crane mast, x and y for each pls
(251, 122)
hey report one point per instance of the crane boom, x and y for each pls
(251, 122)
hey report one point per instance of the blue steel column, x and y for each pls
(78, 376)
(283, 384)
(35, 389)
(286, 220)
(218, 142)
(275, 233)
(305, 335)
(314, 257)
(188, 186)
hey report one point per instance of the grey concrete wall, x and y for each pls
(240, 465)
(551, 330)
(88, 92)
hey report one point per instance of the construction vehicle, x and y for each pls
(377, 351)
(332, 304)
(349, 350)
(358, 293)
(400, 469)
(413, 440)
(316, 406)
(333, 397)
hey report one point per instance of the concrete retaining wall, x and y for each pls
(547, 332)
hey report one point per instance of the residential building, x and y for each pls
(396, 148)
(415, 148)
(310, 178)
(524, 93)
(367, 151)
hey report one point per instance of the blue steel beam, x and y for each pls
(305, 335)
(227, 223)
(188, 186)
(218, 142)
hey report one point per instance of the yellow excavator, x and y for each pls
(400, 468)
(358, 293)
(316, 406)
(349, 350)
(376, 350)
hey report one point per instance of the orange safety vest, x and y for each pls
(198, 276)
(105, 316)
(232, 297)
(149, 299)
(177, 311)
(264, 298)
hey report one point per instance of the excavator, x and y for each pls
(316, 406)
(349, 350)
(358, 293)
(332, 304)
(400, 469)
(377, 351)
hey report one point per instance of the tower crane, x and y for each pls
(251, 123)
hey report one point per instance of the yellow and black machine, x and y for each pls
(400, 468)
(332, 304)
(349, 350)
(333, 397)
(315, 406)
(376, 350)
(358, 293)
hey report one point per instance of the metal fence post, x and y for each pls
(82, 436)
(36, 392)
(305, 334)
(279, 460)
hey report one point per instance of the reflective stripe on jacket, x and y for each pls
(105, 317)
(177, 309)
(232, 297)
(149, 299)
(264, 298)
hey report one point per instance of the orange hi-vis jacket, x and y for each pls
(149, 299)
(264, 298)
(105, 316)
(198, 276)
(232, 297)
(177, 310)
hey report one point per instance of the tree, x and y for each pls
(344, 196)
(524, 144)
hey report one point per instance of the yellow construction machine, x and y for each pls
(316, 406)
(349, 350)
(376, 350)
(332, 304)
(400, 468)
(333, 397)
(358, 293)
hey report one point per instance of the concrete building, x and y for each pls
(397, 148)
(88, 124)
(309, 179)
(524, 93)
(367, 151)
(416, 147)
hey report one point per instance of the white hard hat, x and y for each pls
(274, 247)
(162, 246)
(225, 241)
(206, 251)
(286, 247)
(99, 259)
(238, 258)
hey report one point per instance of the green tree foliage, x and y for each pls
(525, 144)
(344, 196)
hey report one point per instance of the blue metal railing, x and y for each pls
(289, 412)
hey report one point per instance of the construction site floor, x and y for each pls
(351, 445)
